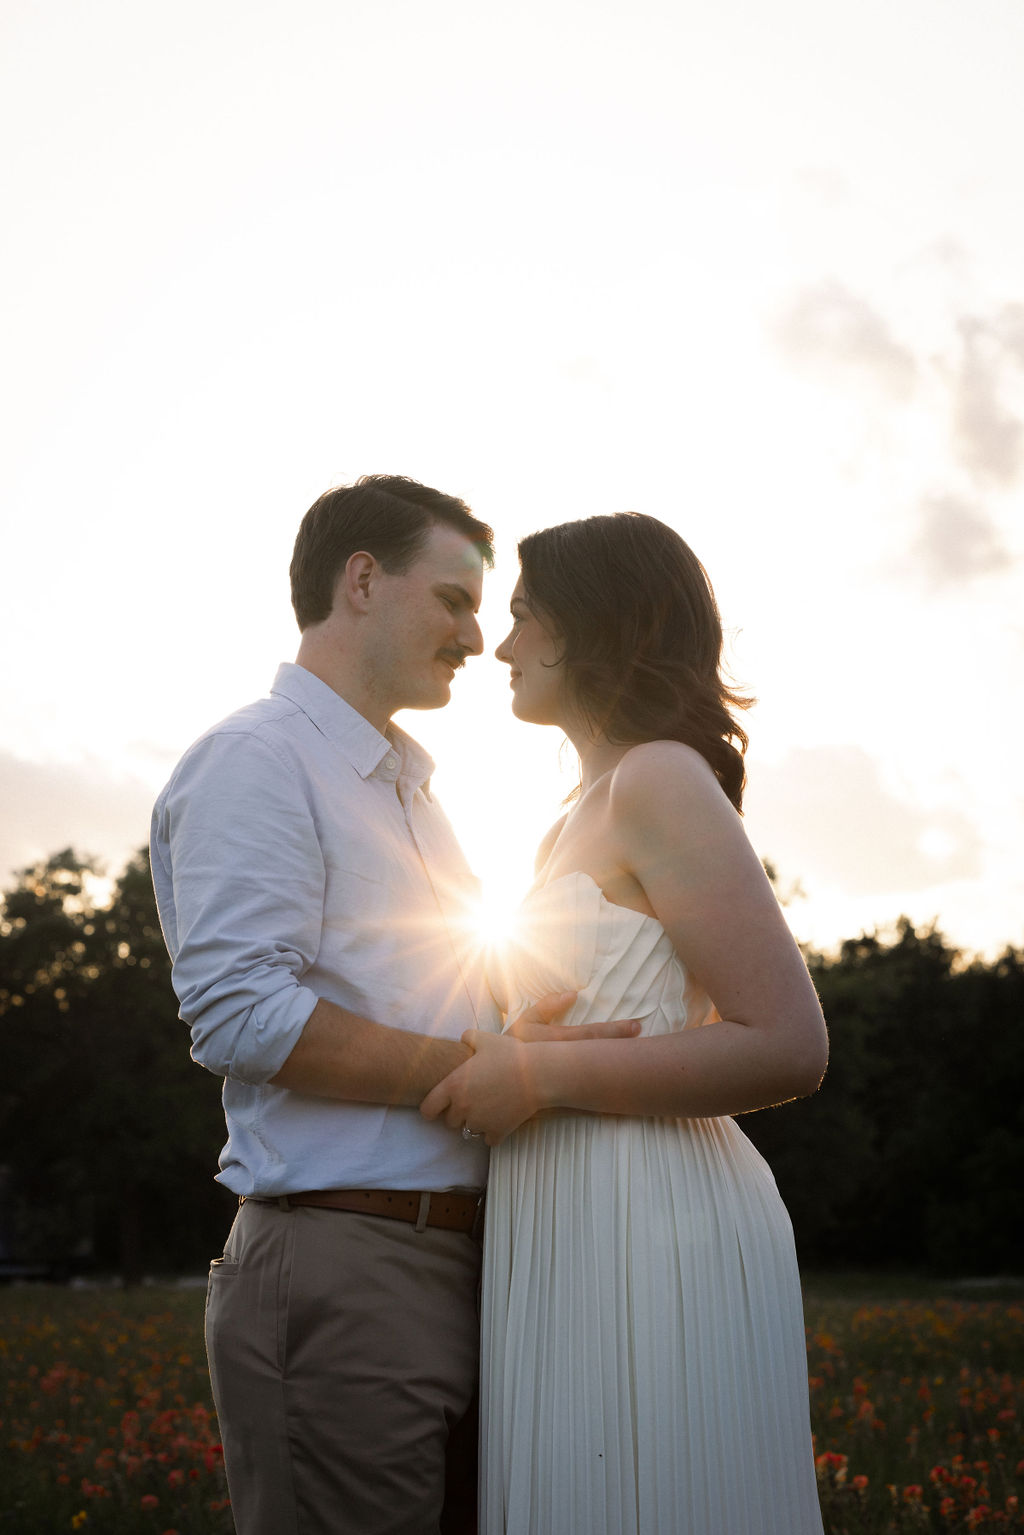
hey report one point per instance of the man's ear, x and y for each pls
(357, 579)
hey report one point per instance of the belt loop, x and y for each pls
(423, 1214)
(478, 1219)
(283, 1202)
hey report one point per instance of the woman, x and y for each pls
(644, 1369)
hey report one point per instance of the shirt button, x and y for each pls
(390, 762)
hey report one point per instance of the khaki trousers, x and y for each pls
(343, 1351)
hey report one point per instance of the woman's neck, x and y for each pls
(597, 756)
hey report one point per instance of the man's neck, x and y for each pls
(342, 680)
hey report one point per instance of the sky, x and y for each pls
(755, 270)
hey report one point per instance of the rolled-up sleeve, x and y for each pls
(240, 876)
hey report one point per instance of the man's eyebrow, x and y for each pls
(453, 589)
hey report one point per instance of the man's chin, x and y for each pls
(436, 698)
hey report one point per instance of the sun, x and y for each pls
(493, 916)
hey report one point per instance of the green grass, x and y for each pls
(106, 1422)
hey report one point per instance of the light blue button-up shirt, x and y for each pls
(298, 853)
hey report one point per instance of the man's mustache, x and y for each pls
(456, 658)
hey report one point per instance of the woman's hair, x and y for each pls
(387, 515)
(640, 635)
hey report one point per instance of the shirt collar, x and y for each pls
(361, 743)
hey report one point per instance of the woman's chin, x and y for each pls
(522, 711)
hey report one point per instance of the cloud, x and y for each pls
(824, 184)
(947, 255)
(956, 542)
(824, 814)
(50, 806)
(836, 332)
(989, 437)
(1008, 325)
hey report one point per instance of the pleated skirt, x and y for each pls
(644, 1365)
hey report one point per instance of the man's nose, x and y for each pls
(471, 636)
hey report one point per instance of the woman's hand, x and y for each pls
(537, 1024)
(502, 1085)
(493, 1093)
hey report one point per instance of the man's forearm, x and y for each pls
(341, 1055)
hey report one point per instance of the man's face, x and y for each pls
(424, 623)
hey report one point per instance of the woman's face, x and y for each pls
(537, 674)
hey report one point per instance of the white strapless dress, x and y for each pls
(644, 1369)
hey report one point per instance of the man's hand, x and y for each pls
(537, 1024)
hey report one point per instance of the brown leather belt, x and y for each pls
(450, 1211)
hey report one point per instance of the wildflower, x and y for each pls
(832, 1467)
(148, 1501)
(77, 1520)
(175, 1478)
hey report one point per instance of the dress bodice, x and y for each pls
(569, 937)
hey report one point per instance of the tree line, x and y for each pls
(910, 1154)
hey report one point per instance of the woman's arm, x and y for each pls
(674, 831)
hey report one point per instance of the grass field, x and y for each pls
(106, 1422)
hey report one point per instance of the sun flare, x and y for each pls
(493, 916)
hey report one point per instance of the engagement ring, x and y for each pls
(471, 1135)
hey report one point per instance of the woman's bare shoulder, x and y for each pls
(660, 768)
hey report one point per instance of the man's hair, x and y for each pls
(386, 515)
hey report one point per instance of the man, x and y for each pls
(309, 884)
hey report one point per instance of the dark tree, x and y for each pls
(108, 1128)
(912, 1151)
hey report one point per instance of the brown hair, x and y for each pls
(388, 516)
(640, 635)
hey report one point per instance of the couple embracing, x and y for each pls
(637, 1327)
